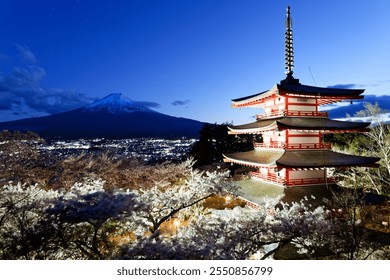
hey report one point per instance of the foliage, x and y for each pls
(83, 222)
(214, 141)
(89, 221)
(104, 207)
(20, 160)
(375, 143)
(352, 240)
(164, 201)
(21, 209)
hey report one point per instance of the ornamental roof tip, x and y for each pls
(292, 88)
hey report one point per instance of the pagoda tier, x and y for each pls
(303, 124)
(291, 91)
(299, 159)
(296, 168)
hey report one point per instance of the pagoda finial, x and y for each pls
(289, 50)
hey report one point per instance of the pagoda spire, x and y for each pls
(289, 50)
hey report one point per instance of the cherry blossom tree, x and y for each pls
(238, 233)
(21, 210)
(84, 217)
(166, 199)
(93, 221)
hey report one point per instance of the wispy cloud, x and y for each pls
(341, 110)
(181, 102)
(26, 54)
(149, 104)
(22, 88)
(346, 86)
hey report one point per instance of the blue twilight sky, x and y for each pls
(186, 58)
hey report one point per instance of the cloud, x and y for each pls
(181, 102)
(346, 86)
(357, 105)
(22, 90)
(149, 104)
(26, 54)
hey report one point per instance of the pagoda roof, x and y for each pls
(256, 158)
(319, 91)
(304, 123)
(320, 124)
(253, 127)
(255, 96)
(300, 159)
(326, 95)
(323, 158)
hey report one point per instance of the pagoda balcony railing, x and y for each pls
(270, 177)
(309, 181)
(309, 146)
(274, 145)
(291, 182)
(292, 113)
(282, 145)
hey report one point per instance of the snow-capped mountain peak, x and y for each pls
(116, 103)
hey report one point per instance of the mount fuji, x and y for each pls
(113, 117)
(115, 103)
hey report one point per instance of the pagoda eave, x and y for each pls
(300, 159)
(306, 124)
(318, 92)
(255, 100)
(321, 124)
(254, 158)
(246, 163)
(324, 95)
(323, 158)
(253, 129)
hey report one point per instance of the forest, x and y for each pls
(99, 206)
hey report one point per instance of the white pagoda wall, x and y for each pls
(301, 104)
(291, 137)
(296, 137)
(278, 103)
(280, 173)
(274, 137)
(306, 174)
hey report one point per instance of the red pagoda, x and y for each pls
(288, 138)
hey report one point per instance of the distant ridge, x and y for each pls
(112, 117)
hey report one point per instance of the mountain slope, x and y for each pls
(115, 103)
(110, 117)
